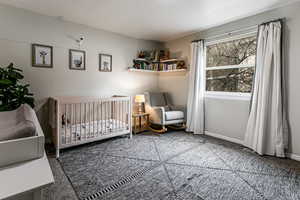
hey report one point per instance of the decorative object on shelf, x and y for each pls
(141, 63)
(76, 59)
(42, 55)
(140, 99)
(157, 60)
(13, 93)
(159, 66)
(157, 72)
(154, 56)
(105, 63)
(180, 65)
(141, 54)
(164, 55)
(140, 122)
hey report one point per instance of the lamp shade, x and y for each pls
(140, 98)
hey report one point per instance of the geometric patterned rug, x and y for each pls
(177, 165)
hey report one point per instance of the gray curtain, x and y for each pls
(266, 131)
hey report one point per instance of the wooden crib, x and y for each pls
(79, 120)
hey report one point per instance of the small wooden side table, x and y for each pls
(140, 122)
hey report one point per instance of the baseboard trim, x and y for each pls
(237, 141)
(223, 137)
(294, 156)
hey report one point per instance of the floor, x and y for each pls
(175, 165)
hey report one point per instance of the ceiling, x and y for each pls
(160, 20)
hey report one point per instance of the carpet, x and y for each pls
(177, 165)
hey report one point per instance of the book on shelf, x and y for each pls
(164, 65)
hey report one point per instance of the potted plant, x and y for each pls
(12, 92)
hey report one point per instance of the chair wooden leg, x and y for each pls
(178, 127)
(162, 130)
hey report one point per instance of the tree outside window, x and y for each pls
(230, 65)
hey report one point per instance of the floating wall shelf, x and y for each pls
(153, 71)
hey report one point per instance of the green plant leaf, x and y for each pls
(5, 82)
(12, 92)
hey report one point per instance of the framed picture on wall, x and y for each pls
(76, 59)
(42, 55)
(105, 63)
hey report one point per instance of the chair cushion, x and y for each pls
(173, 115)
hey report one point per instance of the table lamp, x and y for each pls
(139, 99)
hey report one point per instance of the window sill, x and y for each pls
(228, 95)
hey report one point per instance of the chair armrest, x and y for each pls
(178, 107)
(157, 115)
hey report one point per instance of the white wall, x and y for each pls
(229, 117)
(20, 28)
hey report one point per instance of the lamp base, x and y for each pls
(140, 109)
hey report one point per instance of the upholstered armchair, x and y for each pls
(162, 112)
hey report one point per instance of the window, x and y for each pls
(230, 65)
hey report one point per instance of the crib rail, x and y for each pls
(81, 120)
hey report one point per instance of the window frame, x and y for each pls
(221, 94)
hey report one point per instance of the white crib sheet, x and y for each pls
(83, 131)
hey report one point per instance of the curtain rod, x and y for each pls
(197, 40)
(227, 33)
(239, 30)
(274, 20)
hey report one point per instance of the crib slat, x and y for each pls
(89, 133)
(128, 115)
(74, 118)
(115, 111)
(71, 122)
(101, 122)
(91, 119)
(106, 116)
(97, 118)
(111, 116)
(75, 123)
(80, 123)
(94, 119)
(120, 118)
(119, 114)
(66, 125)
(122, 113)
(115, 115)
(93, 112)
(85, 121)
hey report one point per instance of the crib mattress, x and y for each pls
(82, 131)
